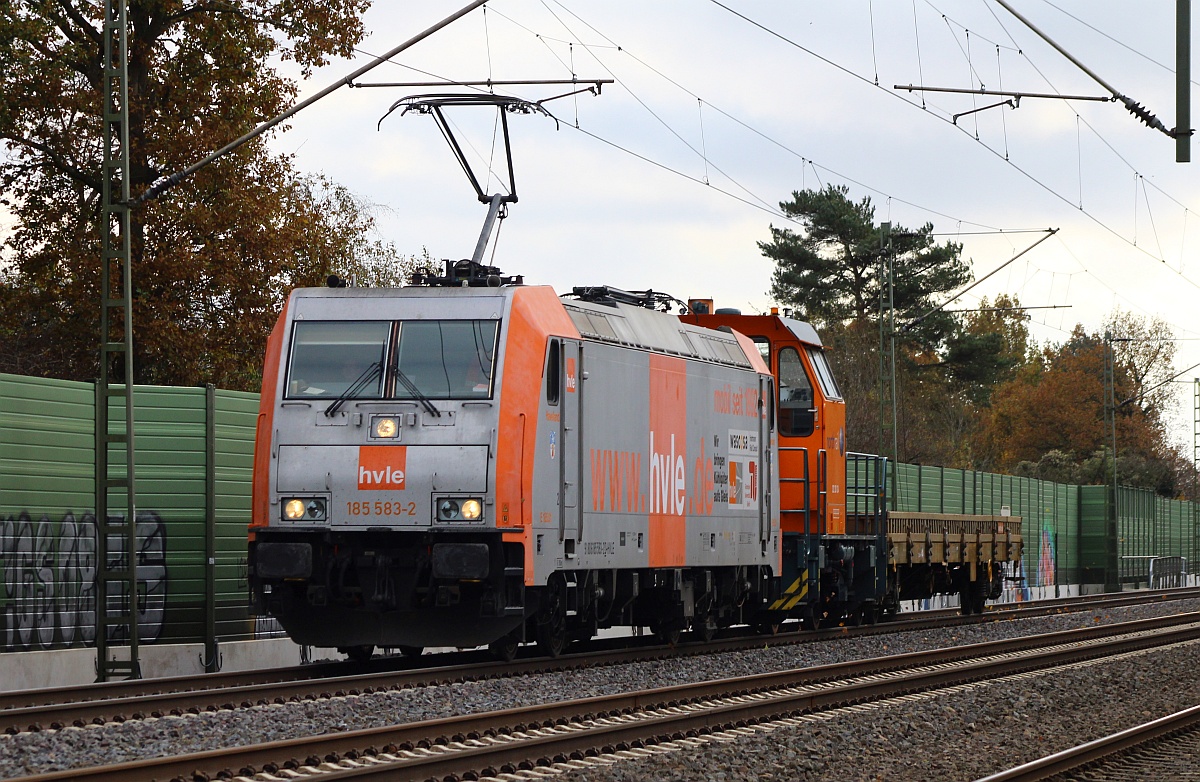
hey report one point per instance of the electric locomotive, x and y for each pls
(473, 461)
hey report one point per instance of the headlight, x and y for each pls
(447, 510)
(307, 509)
(385, 427)
(459, 509)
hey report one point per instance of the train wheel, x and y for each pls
(964, 602)
(705, 628)
(551, 632)
(359, 654)
(667, 632)
(978, 596)
(411, 651)
(505, 648)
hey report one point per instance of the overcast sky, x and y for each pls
(669, 178)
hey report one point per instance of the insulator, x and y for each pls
(1142, 113)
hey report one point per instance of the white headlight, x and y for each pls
(385, 427)
(471, 509)
(294, 509)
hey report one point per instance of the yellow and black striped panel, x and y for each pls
(792, 595)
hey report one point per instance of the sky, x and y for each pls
(720, 110)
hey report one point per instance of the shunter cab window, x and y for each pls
(797, 415)
(764, 348)
(442, 359)
(824, 373)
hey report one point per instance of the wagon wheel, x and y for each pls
(965, 603)
(551, 630)
(870, 613)
(978, 596)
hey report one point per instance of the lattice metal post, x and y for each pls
(1112, 578)
(1195, 473)
(116, 533)
(887, 355)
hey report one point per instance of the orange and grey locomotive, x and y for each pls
(474, 461)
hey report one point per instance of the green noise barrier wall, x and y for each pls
(194, 449)
(194, 461)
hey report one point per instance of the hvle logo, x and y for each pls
(381, 467)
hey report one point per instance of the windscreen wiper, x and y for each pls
(416, 393)
(369, 374)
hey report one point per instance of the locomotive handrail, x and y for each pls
(822, 491)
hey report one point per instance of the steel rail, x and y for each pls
(120, 701)
(1139, 736)
(541, 733)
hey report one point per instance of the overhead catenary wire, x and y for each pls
(806, 160)
(1100, 223)
(1132, 106)
(165, 183)
(657, 117)
(1049, 232)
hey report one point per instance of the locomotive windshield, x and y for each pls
(448, 359)
(424, 359)
(327, 357)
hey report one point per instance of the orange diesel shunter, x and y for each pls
(845, 558)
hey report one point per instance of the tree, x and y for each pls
(832, 269)
(1145, 349)
(835, 270)
(990, 346)
(213, 259)
(1052, 418)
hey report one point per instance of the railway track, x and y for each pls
(138, 699)
(1141, 752)
(589, 730)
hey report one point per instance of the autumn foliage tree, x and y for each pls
(971, 388)
(213, 258)
(1055, 420)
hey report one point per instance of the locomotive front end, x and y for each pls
(375, 511)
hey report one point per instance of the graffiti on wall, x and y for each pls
(1047, 571)
(49, 594)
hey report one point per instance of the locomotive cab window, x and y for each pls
(797, 415)
(433, 359)
(824, 373)
(446, 359)
(328, 358)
